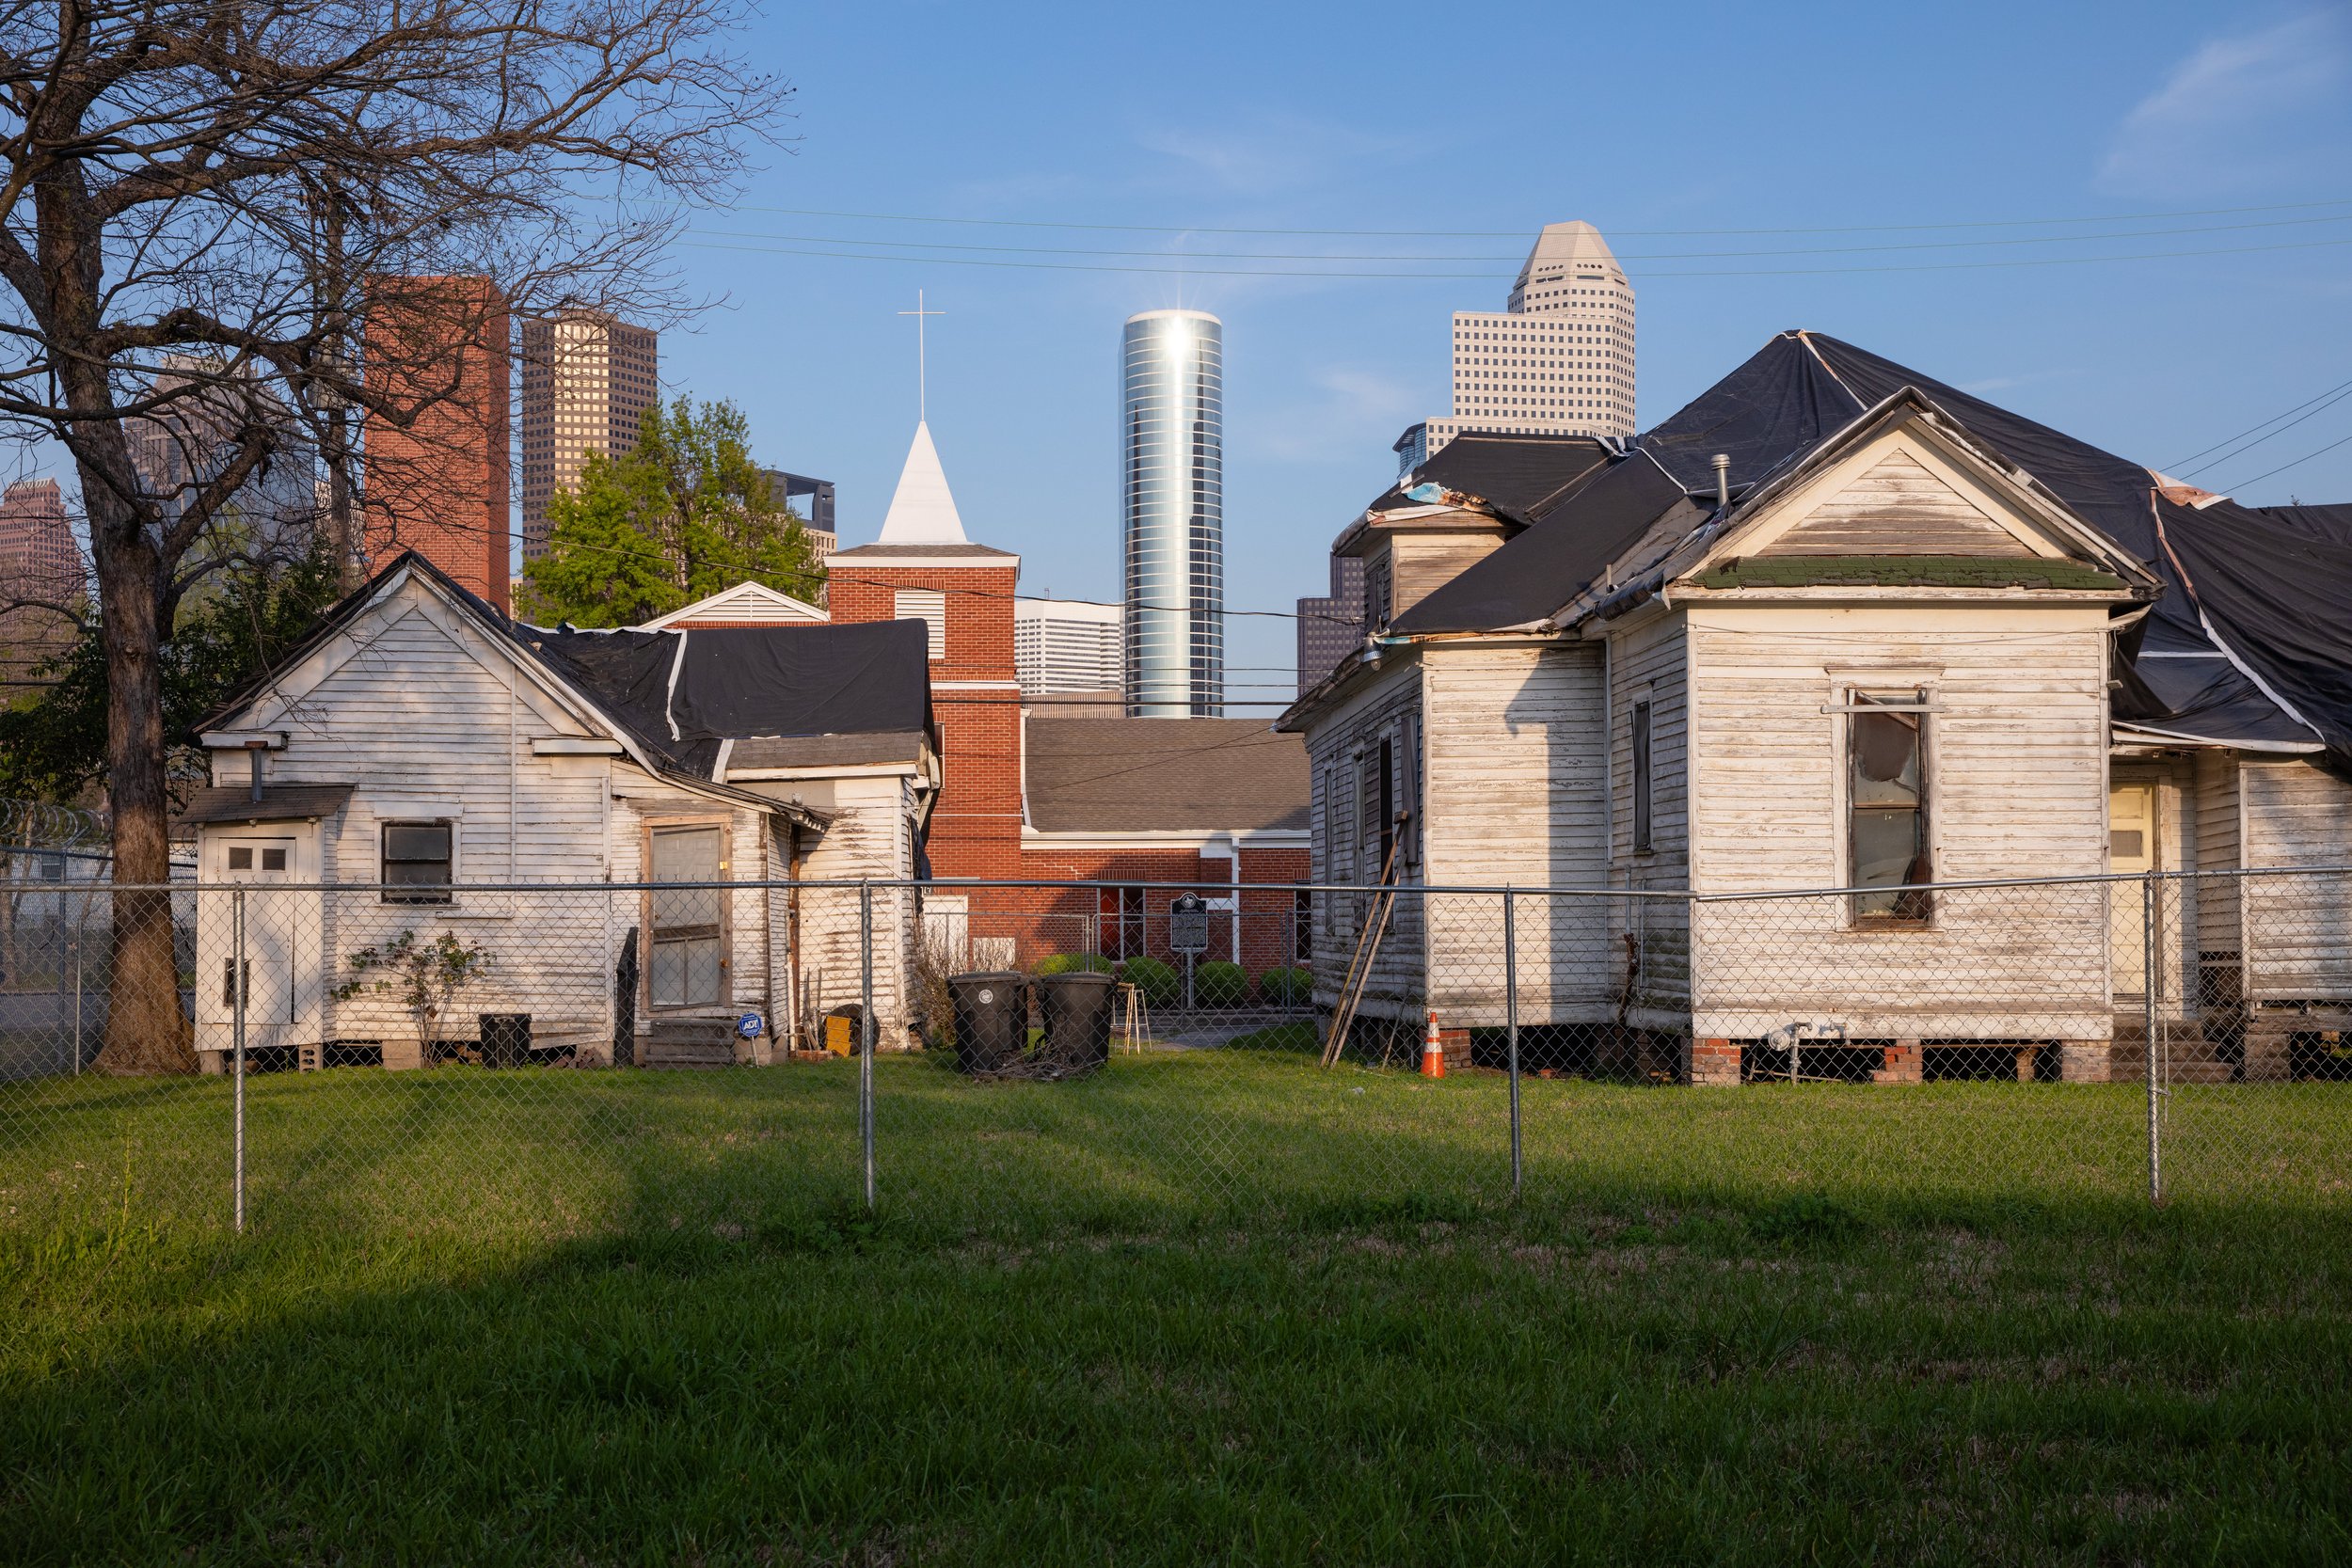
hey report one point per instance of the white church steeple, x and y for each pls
(922, 510)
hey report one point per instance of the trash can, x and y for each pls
(505, 1038)
(1077, 1010)
(992, 1019)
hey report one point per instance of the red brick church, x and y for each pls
(1217, 804)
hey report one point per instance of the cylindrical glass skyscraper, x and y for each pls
(1172, 483)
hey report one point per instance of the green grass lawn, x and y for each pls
(1207, 1307)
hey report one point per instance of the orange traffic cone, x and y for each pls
(1432, 1050)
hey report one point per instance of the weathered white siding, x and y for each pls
(2017, 787)
(1650, 976)
(1516, 794)
(1898, 507)
(2297, 929)
(1344, 752)
(2219, 943)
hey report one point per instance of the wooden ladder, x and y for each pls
(1367, 950)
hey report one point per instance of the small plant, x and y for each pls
(425, 975)
(1218, 984)
(1286, 988)
(1805, 1217)
(1161, 985)
(1068, 963)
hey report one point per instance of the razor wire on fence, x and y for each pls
(569, 1060)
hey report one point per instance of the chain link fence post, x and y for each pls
(2151, 905)
(1511, 1026)
(237, 989)
(866, 1036)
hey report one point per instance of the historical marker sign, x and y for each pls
(1189, 924)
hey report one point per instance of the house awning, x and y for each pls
(291, 802)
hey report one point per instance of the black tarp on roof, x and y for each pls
(1802, 387)
(2333, 521)
(737, 682)
(1522, 477)
(1543, 568)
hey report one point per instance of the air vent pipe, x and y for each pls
(1722, 482)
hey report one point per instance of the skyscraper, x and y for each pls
(439, 484)
(41, 567)
(1331, 626)
(587, 381)
(189, 441)
(1557, 360)
(1062, 649)
(1172, 488)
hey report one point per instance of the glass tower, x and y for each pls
(1172, 485)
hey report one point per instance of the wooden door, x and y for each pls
(687, 959)
(2131, 848)
(271, 864)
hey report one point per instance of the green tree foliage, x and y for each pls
(53, 747)
(683, 515)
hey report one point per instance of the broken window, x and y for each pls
(415, 863)
(1641, 779)
(1887, 804)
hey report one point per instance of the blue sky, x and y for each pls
(1441, 121)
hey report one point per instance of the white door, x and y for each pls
(2131, 848)
(271, 863)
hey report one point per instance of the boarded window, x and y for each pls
(1388, 804)
(928, 606)
(417, 865)
(1886, 784)
(1640, 777)
(687, 966)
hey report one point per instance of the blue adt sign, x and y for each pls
(748, 1026)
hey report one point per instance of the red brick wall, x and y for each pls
(1051, 920)
(975, 825)
(438, 484)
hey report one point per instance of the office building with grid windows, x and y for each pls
(587, 381)
(1558, 360)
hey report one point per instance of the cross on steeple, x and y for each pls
(922, 369)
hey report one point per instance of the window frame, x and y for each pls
(724, 823)
(1908, 911)
(1640, 719)
(442, 893)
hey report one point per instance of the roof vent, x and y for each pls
(1723, 480)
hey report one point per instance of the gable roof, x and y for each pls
(674, 697)
(1155, 775)
(2229, 660)
(744, 602)
(1520, 478)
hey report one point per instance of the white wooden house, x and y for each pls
(423, 764)
(1880, 647)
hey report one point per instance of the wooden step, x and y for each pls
(689, 1043)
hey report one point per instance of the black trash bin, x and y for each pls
(1077, 1010)
(992, 1019)
(505, 1038)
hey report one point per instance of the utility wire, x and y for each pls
(1403, 260)
(2284, 467)
(2331, 394)
(1441, 276)
(1520, 233)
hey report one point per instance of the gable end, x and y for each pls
(1898, 507)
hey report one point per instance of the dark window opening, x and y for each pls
(1887, 804)
(239, 856)
(1640, 777)
(1120, 911)
(415, 863)
(1388, 802)
(1303, 927)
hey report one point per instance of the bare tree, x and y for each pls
(202, 204)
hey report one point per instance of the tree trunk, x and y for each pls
(145, 1030)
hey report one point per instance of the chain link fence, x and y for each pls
(580, 1059)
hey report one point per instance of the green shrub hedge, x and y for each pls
(1064, 963)
(1218, 984)
(1286, 988)
(1161, 985)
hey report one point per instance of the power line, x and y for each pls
(1515, 233)
(1402, 260)
(2332, 395)
(2284, 467)
(1441, 276)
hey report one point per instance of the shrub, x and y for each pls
(1286, 988)
(1065, 963)
(1161, 985)
(1218, 984)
